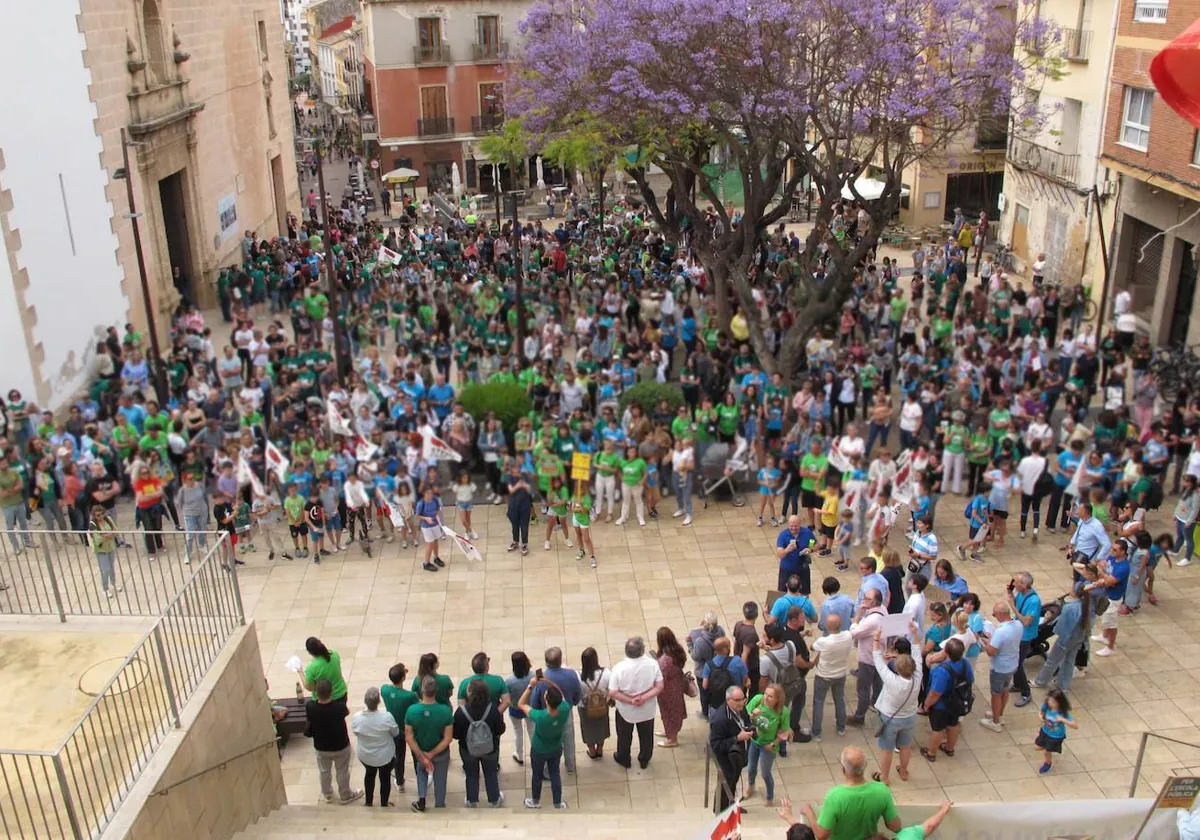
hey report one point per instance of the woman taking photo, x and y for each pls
(594, 726)
(376, 731)
(897, 707)
(772, 726)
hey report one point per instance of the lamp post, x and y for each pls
(330, 265)
(157, 372)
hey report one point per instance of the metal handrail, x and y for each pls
(98, 762)
(1137, 765)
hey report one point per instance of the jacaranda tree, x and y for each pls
(835, 89)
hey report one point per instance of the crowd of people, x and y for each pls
(311, 409)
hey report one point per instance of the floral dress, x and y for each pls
(670, 701)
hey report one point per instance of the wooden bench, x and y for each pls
(294, 722)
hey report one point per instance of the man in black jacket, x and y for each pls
(729, 731)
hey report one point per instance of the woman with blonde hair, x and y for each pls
(772, 720)
(897, 708)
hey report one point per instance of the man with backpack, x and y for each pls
(782, 663)
(723, 671)
(950, 698)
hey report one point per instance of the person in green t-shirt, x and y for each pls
(633, 485)
(913, 832)
(607, 462)
(428, 731)
(325, 665)
(558, 504)
(398, 700)
(496, 686)
(428, 668)
(812, 478)
(545, 747)
(294, 505)
(581, 510)
(852, 810)
(956, 438)
(772, 720)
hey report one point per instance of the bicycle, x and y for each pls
(1005, 260)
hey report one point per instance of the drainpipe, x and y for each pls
(1106, 254)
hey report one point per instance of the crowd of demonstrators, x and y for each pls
(991, 386)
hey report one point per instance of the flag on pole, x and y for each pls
(247, 476)
(392, 511)
(387, 255)
(437, 449)
(464, 545)
(364, 450)
(902, 487)
(728, 825)
(276, 463)
(337, 423)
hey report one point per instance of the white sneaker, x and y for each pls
(642, 522)
(570, 544)
(472, 535)
(991, 725)
(857, 542)
(547, 545)
(1099, 638)
(687, 520)
(108, 594)
(1184, 562)
(1105, 651)
(677, 514)
(619, 522)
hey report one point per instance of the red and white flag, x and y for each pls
(727, 827)
(276, 463)
(464, 545)
(246, 476)
(437, 449)
(364, 450)
(388, 255)
(392, 511)
(337, 423)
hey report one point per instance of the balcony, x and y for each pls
(1150, 11)
(494, 51)
(431, 54)
(486, 123)
(1076, 44)
(1046, 162)
(435, 127)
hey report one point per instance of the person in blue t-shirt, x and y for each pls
(723, 659)
(794, 548)
(792, 598)
(1063, 467)
(768, 484)
(940, 701)
(1055, 716)
(1114, 580)
(428, 511)
(836, 603)
(1026, 607)
(979, 517)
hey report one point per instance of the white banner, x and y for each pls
(247, 476)
(276, 463)
(337, 423)
(392, 511)
(387, 255)
(464, 545)
(437, 449)
(1095, 819)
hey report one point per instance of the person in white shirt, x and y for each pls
(911, 415)
(1029, 470)
(831, 658)
(634, 684)
(376, 731)
(897, 708)
(916, 605)
(355, 494)
(683, 463)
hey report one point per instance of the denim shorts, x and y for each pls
(1000, 683)
(334, 522)
(466, 505)
(897, 733)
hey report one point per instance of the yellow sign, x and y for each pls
(581, 466)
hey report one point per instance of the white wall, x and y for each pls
(51, 150)
(395, 27)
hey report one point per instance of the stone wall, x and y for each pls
(221, 771)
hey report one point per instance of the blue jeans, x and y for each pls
(877, 432)
(441, 764)
(764, 756)
(489, 767)
(1185, 535)
(194, 526)
(108, 575)
(14, 516)
(683, 493)
(821, 687)
(545, 765)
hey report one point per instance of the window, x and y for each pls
(1135, 121)
(429, 32)
(1196, 149)
(1150, 11)
(489, 30)
(154, 31)
(262, 41)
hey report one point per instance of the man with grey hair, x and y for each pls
(635, 683)
(854, 808)
(1026, 606)
(868, 683)
(376, 731)
(729, 732)
(566, 680)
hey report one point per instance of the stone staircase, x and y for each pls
(512, 822)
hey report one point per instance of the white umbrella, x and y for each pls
(455, 180)
(401, 175)
(541, 179)
(868, 189)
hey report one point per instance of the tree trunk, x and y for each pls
(718, 272)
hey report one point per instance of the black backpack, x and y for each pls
(1152, 499)
(719, 681)
(961, 697)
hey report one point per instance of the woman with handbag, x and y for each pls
(671, 660)
(595, 726)
(897, 708)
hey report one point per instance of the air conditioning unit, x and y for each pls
(1002, 202)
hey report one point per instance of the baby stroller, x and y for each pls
(1041, 645)
(719, 466)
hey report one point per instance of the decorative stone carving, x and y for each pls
(177, 42)
(133, 64)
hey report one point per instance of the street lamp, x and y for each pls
(156, 365)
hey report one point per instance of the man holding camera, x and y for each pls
(1003, 645)
(729, 732)
(1026, 606)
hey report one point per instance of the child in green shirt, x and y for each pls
(582, 519)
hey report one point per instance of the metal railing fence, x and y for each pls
(75, 789)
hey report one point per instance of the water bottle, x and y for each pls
(299, 690)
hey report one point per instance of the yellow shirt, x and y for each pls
(738, 327)
(829, 511)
